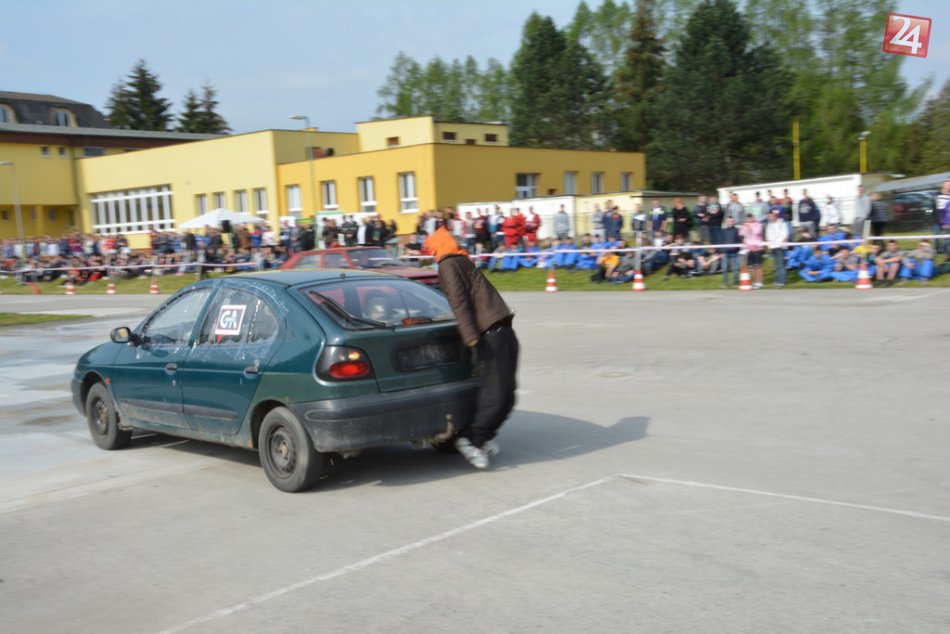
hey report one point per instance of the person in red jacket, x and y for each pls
(513, 228)
(531, 225)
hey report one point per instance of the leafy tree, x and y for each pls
(928, 151)
(400, 93)
(135, 103)
(637, 80)
(723, 116)
(494, 93)
(602, 32)
(200, 115)
(581, 117)
(535, 79)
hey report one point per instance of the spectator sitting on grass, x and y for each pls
(800, 253)
(532, 255)
(888, 264)
(919, 263)
(818, 268)
(624, 271)
(606, 263)
(565, 253)
(708, 262)
(832, 234)
(845, 267)
(682, 260)
(586, 261)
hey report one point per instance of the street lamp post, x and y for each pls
(16, 202)
(863, 141)
(313, 188)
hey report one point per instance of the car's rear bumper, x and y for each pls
(76, 387)
(380, 419)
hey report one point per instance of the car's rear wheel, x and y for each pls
(287, 454)
(103, 420)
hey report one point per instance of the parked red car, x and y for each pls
(373, 258)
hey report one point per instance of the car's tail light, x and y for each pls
(342, 363)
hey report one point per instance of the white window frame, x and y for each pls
(626, 181)
(260, 201)
(328, 195)
(408, 196)
(596, 182)
(201, 204)
(530, 187)
(570, 183)
(6, 114)
(240, 200)
(44, 151)
(63, 118)
(367, 191)
(294, 201)
(132, 211)
(220, 200)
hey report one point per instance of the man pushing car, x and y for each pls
(484, 323)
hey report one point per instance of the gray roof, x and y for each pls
(106, 132)
(29, 96)
(931, 181)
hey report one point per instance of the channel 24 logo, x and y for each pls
(906, 35)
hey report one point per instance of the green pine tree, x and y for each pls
(189, 119)
(211, 121)
(135, 103)
(637, 80)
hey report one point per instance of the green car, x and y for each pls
(298, 365)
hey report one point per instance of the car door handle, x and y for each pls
(171, 367)
(251, 369)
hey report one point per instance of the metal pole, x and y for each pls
(864, 156)
(796, 150)
(16, 203)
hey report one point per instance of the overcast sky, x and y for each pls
(270, 60)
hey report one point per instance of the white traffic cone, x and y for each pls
(110, 289)
(864, 279)
(153, 289)
(69, 288)
(551, 286)
(638, 285)
(745, 282)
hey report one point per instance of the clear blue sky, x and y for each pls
(270, 60)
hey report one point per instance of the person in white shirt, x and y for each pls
(776, 237)
(830, 213)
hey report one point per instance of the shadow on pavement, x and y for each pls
(526, 438)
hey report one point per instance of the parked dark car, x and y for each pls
(913, 210)
(374, 258)
(297, 365)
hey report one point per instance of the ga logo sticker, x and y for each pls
(230, 318)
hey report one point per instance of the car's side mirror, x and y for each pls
(123, 334)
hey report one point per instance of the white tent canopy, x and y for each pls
(215, 217)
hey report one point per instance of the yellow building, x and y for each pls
(43, 139)
(395, 168)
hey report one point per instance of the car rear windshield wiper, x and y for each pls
(342, 313)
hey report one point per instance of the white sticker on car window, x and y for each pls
(230, 318)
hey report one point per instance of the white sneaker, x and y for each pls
(475, 456)
(491, 448)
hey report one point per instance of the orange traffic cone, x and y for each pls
(69, 288)
(552, 283)
(110, 289)
(36, 288)
(745, 282)
(153, 289)
(638, 284)
(864, 279)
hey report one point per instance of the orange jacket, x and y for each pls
(441, 244)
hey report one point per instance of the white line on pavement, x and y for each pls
(396, 552)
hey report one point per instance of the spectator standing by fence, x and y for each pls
(702, 219)
(862, 211)
(730, 255)
(809, 216)
(776, 235)
(878, 215)
(682, 220)
(714, 219)
(658, 222)
(735, 209)
(751, 232)
(597, 220)
(562, 224)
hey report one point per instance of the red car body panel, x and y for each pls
(350, 258)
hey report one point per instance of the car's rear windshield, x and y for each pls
(373, 259)
(379, 303)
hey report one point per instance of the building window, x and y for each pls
(392, 141)
(491, 138)
(526, 185)
(597, 183)
(72, 218)
(626, 181)
(408, 200)
(219, 202)
(260, 201)
(294, 205)
(240, 200)
(62, 152)
(132, 211)
(201, 204)
(93, 151)
(570, 183)
(6, 114)
(51, 214)
(5, 215)
(469, 141)
(367, 194)
(63, 118)
(44, 151)
(448, 136)
(328, 191)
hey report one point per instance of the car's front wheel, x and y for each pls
(103, 420)
(287, 454)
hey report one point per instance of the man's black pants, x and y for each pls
(497, 352)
